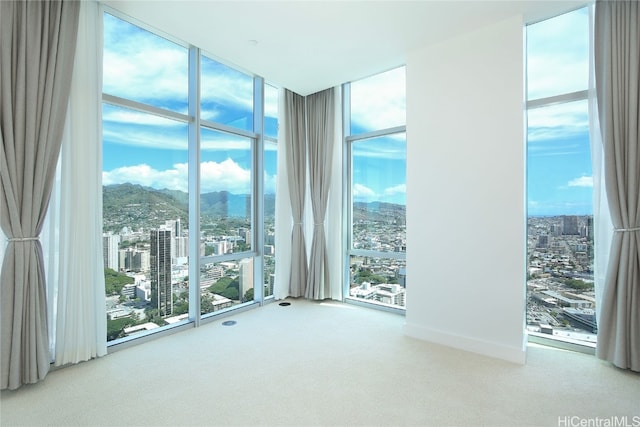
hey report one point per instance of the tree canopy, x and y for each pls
(114, 281)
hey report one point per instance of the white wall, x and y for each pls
(466, 236)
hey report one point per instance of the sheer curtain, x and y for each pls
(283, 221)
(286, 253)
(602, 225)
(77, 284)
(37, 48)
(334, 231)
(295, 160)
(617, 77)
(320, 125)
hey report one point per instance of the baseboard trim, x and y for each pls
(485, 348)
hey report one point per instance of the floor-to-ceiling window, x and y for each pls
(188, 182)
(227, 149)
(375, 148)
(560, 286)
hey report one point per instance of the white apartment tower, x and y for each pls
(246, 276)
(110, 244)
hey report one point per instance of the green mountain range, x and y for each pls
(136, 206)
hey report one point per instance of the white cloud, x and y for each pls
(223, 176)
(550, 207)
(133, 128)
(395, 194)
(140, 65)
(379, 102)
(270, 146)
(560, 121)
(386, 147)
(145, 67)
(144, 138)
(145, 175)
(361, 192)
(226, 175)
(124, 116)
(395, 190)
(558, 55)
(227, 86)
(583, 181)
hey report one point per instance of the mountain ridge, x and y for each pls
(136, 206)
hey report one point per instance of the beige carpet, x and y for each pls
(328, 364)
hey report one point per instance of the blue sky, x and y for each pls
(152, 151)
(379, 164)
(559, 174)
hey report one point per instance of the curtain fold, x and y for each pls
(80, 321)
(320, 116)
(296, 153)
(282, 211)
(617, 75)
(37, 47)
(602, 226)
(333, 223)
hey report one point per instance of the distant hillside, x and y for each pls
(136, 206)
(378, 211)
(225, 204)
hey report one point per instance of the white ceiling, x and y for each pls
(308, 46)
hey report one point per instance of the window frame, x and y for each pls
(347, 176)
(542, 102)
(195, 124)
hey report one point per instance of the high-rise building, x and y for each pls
(132, 259)
(176, 230)
(141, 261)
(246, 276)
(543, 241)
(110, 243)
(182, 247)
(272, 281)
(161, 295)
(570, 225)
(589, 227)
(124, 256)
(220, 248)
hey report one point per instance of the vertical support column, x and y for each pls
(194, 185)
(257, 234)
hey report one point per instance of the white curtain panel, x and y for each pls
(333, 224)
(320, 140)
(73, 243)
(602, 225)
(283, 220)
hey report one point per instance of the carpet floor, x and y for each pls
(323, 364)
